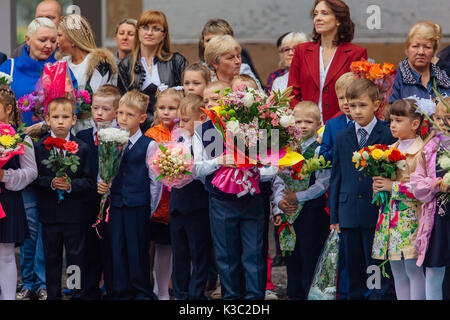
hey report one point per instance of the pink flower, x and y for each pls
(7, 130)
(274, 122)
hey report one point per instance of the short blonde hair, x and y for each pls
(219, 46)
(297, 37)
(309, 106)
(427, 30)
(136, 99)
(109, 91)
(38, 23)
(192, 102)
(61, 102)
(344, 81)
(442, 106)
(244, 78)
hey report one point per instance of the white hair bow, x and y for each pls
(424, 106)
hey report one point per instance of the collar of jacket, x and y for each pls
(442, 79)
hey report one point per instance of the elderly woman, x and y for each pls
(223, 55)
(317, 65)
(287, 50)
(282, 70)
(125, 37)
(417, 73)
(152, 65)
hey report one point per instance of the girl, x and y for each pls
(18, 172)
(434, 225)
(396, 233)
(195, 79)
(166, 109)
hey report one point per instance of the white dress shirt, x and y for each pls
(368, 128)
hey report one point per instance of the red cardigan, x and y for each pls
(304, 74)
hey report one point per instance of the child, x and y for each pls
(105, 103)
(166, 110)
(189, 220)
(350, 193)
(245, 80)
(334, 125)
(210, 94)
(15, 175)
(311, 226)
(195, 78)
(396, 233)
(131, 197)
(434, 225)
(63, 222)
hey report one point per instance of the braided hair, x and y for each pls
(8, 98)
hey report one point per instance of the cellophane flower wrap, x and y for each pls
(296, 179)
(379, 160)
(172, 162)
(112, 143)
(11, 144)
(59, 163)
(323, 286)
(257, 130)
(383, 76)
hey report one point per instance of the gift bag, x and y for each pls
(324, 283)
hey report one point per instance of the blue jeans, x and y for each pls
(32, 261)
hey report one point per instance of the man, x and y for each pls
(51, 9)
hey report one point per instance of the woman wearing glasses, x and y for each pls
(152, 64)
(287, 50)
(318, 64)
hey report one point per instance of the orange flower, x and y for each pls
(361, 66)
(363, 162)
(376, 72)
(388, 68)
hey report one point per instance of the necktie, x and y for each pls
(362, 137)
(96, 139)
(349, 123)
(128, 147)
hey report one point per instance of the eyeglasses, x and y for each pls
(153, 29)
(287, 49)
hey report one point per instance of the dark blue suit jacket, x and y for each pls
(332, 127)
(350, 193)
(86, 137)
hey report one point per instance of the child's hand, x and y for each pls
(439, 183)
(382, 184)
(226, 160)
(287, 208)
(103, 188)
(277, 220)
(335, 226)
(61, 183)
(290, 197)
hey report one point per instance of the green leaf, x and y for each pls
(162, 148)
(187, 172)
(73, 168)
(160, 177)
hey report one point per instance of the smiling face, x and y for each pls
(362, 109)
(420, 52)
(229, 65)
(194, 82)
(325, 21)
(125, 37)
(166, 110)
(60, 118)
(42, 43)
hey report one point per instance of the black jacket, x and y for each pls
(74, 208)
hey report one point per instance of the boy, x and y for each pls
(210, 94)
(63, 223)
(189, 220)
(130, 205)
(336, 124)
(105, 102)
(311, 225)
(350, 193)
(245, 80)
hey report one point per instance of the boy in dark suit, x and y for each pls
(189, 220)
(63, 223)
(129, 220)
(350, 191)
(105, 102)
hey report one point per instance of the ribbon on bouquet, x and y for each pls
(2, 212)
(245, 182)
(100, 214)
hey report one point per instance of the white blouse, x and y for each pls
(323, 76)
(150, 77)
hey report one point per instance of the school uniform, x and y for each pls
(129, 223)
(63, 222)
(190, 237)
(237, 224)
(98, 251)
(350, 197)
(311, 227)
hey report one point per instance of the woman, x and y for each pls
(282, 68)
(318, 64)
(417, 73)
(287, 50)
(223, 55)
(125, 37)
(152, 64)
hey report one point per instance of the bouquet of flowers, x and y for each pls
(323, 286)
(83, 101)
(32, 102)
(382, 75)
(5, 79)
(58, 163)
(379, 160)
(111, 148)
(11, 144)
(247, 119)
(297, 179)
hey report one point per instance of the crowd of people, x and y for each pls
(161, 243)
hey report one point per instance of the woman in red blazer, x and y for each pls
(333, 32)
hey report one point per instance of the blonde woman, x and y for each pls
(223, 55)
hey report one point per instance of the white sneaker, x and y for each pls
(271, 295)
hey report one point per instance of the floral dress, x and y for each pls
(398, 222)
